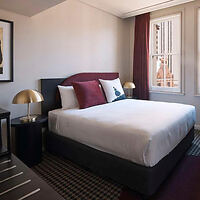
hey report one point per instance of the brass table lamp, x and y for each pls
(129, 86)
(27, 97)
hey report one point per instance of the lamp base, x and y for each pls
(26, 119)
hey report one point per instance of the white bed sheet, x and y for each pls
(140, 131)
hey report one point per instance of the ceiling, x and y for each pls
(129, 8)
(120, 8)
(28, 7)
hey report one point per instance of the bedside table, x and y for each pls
(29, 139)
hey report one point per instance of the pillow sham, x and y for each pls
(68, 97)
(88, 94)
(113, 90)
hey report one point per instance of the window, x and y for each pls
(165, 54)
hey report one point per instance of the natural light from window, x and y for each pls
(165, 54)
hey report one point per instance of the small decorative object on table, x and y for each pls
(5, 149)
(29, 139)
(27, 97)
(129, 86)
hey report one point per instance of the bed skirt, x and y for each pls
(145, 180)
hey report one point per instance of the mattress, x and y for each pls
(140, 131)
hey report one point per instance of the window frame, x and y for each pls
(168, 90)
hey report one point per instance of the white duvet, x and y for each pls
(140, 131)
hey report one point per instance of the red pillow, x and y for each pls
(88, 94)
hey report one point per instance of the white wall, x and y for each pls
(189, 11)
(66, 39)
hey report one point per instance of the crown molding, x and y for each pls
(166, 4)
(102, 6)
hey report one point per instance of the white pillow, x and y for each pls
(113, 89)
(68, 97)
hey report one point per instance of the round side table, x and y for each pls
(29, 139)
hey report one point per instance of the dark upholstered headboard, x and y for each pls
(49, 87)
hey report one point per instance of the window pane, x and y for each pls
(164, 72)
(165, 53)
(157, 41)
(166, 36)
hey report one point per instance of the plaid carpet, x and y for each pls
(75, 183)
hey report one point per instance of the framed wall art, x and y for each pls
(6, 51)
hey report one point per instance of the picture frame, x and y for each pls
(6, 50)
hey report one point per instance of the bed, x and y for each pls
(135, 143)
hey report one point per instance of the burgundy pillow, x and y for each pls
(88, 94)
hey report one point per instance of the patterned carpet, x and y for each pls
(75, 183)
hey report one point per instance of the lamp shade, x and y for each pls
(27, 96)
(129, 85)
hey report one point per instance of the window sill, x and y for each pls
(167, 93)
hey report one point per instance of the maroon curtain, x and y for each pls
(141, 57)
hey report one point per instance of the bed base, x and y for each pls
(145, 180)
